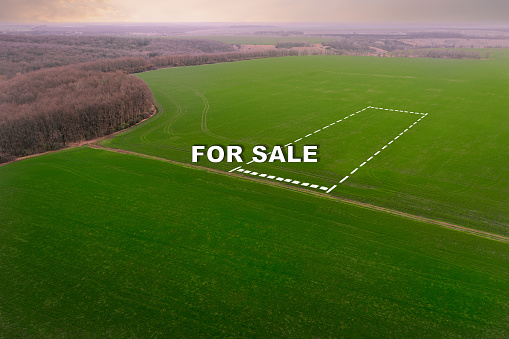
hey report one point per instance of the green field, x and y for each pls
(95, 243)
(451, 166)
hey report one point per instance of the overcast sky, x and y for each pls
(358, 11)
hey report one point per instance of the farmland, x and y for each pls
(96, 243)
(451, 166)
(135, 241)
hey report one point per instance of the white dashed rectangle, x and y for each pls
(324, 188)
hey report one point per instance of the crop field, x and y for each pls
(97, 244)
(136, 241)
(449, 163)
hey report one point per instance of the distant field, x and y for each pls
(252, 39)
(451, 166)
(98, 244)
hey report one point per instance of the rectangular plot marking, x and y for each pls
(330, 189)
(324, 188)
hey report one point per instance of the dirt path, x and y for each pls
(156, 109)
(95, 144)
(318, 194)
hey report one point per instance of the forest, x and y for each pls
(54, 107)
(24, 53)
(56, 90)
(441, 53)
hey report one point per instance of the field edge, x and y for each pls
(483, 234)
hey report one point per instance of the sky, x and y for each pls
(331, 11)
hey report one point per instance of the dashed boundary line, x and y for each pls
(281, 179)
(397, 110)
(497, 237)
(423, 115)
(320, 129)
(324, 188)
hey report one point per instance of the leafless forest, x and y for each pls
(49, 109)
(24, 53)
(60, 85)
(53, 106)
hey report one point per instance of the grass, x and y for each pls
(452, 166)
(96, 243)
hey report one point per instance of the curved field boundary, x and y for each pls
(479, 233)
(143, 137)
(157, 113)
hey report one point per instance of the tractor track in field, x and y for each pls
(480, 233)
(95, 144)
(160, 110)
(206, 108)
(168, 129)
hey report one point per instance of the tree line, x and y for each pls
(448, 53)
(291, 44)
(139, 64)
(51, 108)
(25, 53)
